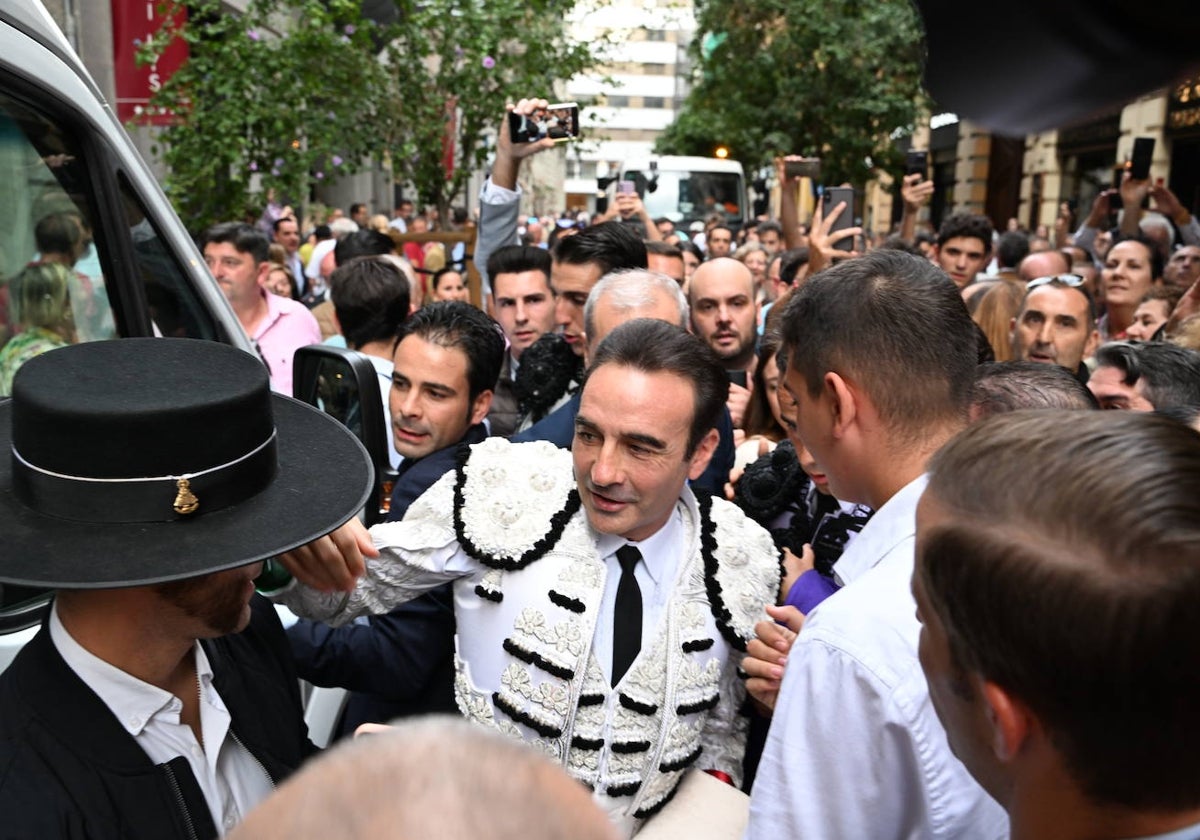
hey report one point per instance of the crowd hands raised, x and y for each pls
(892, 573)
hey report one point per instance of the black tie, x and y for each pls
(627, 616)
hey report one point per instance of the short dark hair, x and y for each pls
(244, 238)
(323, 232)
(663, 249)
(1001, 387)
(692, 248)
(769, 226)
(454, 324)
(611, 246)
(1057, 597)
(275, 224)
(1011, 249)
(356, 206)
(362, 243)
(869, 318)
(790, 263)
(966, 224)
(57, 233)
(723, 227)
(517, 259)
(1170, 374)
(654, 346)
(371, 299)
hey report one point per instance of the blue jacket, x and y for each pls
(402, 663)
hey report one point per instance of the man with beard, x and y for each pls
(158, 699)
(721, 295)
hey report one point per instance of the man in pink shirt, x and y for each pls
(237, 256)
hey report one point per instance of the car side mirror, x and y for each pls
(345, 385)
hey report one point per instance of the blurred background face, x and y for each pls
(450, 286)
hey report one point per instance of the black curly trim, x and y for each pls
(627, 789)
(489, 594)
(629, 747)
(566, 602)
(548, 367)
(519, 716)
(708, 547)
(771, 484)
(697, 644)
(646, 813)
(687, 761)
(633, 705)
(741, 673)
(590, 700)
(534, 658)
(557, 523)
(700, 706)
(586, 743)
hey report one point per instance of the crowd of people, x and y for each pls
(826, 518)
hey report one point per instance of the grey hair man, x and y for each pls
(431, 777)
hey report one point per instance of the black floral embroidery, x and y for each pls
(543, 729)
(590, 699)
(695, 645)
(530, 657)
(489, 594)
(558, 523)
(633, 705)
(626, 789)
(566, 602)
(586, 743)
(548, 368)
(699, 706)
(687, 761)
(708, 547)
(629, 747)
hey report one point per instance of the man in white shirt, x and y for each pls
(158, 699)
(855, 748)
(1059, 622)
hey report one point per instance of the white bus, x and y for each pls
(689, 189)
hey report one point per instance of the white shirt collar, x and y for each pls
(655, 549)
(891, 524)
(133, 701)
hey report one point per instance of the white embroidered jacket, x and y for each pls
(526, 611)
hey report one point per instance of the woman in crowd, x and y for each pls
(41, 312)
(448, 284)
(1131, 268)
(1150, 318)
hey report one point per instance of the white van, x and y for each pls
(63, 154)
(689, 189)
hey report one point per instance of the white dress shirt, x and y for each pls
(655, 576)
(231, 779)
(855, 748)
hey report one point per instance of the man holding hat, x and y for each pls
(148, 479)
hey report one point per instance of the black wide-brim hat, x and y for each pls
(144, 460)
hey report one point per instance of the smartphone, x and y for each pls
(832, 197)
(737, 377)
(559, 122)
(803, 168)
(1139, 164)
(626, 187)
(916, 163)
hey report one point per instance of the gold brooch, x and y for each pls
(185, 499)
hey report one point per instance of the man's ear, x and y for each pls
(264, 271)
(481, 406)
(703, 454)
(1011, 721)
(843, 402)
(1089, 349)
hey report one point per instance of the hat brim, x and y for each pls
(324, 477)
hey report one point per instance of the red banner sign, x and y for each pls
(133, 22)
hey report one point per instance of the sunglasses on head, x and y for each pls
(1072, 280)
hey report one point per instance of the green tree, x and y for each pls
(456, 62)
(288, 93)
(806, 77)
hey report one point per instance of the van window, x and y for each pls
(53, 291)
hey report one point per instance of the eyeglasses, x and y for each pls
(1072, 280)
